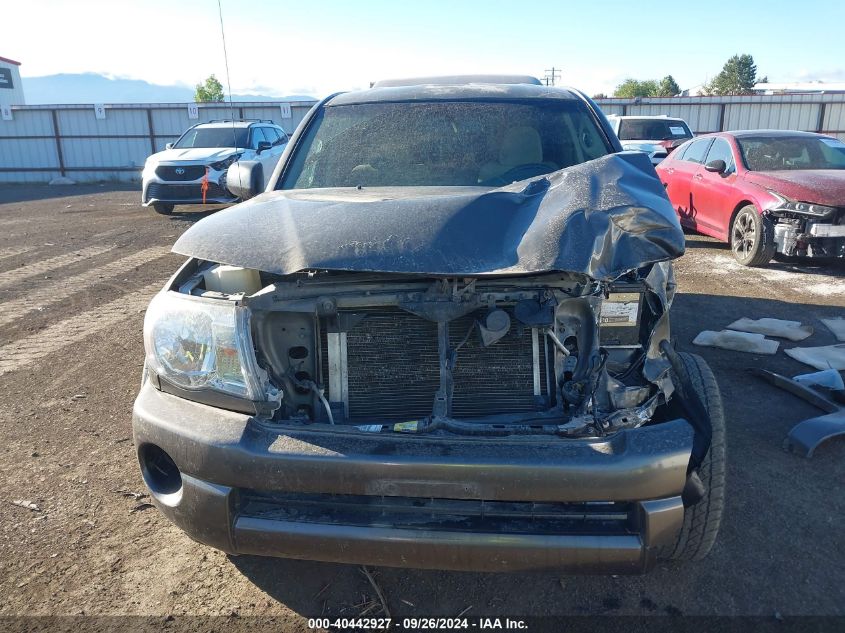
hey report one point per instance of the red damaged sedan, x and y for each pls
(763, 191)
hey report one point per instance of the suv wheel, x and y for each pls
(163, 208)
(752, 237)
(702, 520)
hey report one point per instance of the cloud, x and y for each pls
(830, 75)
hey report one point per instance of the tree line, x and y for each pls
(737, 77)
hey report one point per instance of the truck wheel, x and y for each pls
(752, 237)
(702, 520)
(163, 208)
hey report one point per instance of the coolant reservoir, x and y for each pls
(232, 280)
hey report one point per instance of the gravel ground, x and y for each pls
(77, 267)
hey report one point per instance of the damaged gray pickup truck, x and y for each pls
(439, 339)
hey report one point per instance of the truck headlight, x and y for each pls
(201, 344)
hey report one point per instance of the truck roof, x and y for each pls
(456, 91)
(457, 80)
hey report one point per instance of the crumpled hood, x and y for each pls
(822, 186)
(601, 218)
(195, 154)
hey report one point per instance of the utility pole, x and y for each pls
(551, 75)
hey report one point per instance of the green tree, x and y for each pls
(211, 90)
(737, 77)
(667, 87)
(636, 88)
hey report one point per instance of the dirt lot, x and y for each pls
(77, 267)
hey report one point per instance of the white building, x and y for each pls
(695, 91)
(11, 89)
(800, 87)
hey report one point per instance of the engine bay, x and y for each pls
(553, 353)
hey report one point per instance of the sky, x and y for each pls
(318, 47)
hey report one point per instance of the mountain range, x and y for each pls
(97, 88)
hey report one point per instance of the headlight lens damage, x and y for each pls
(805, 208)
(202, 344)
(222, 165)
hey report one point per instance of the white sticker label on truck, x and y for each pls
(621, 309)
(677, 131)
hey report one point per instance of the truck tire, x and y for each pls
(702, 520)
(163, 208)
(752, 237)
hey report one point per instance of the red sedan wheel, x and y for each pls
(752, 238)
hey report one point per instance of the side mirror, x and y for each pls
(717, 166)
(168, 146)
(245, 179)
(262, 145)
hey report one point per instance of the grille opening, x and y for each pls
(180, 172)
(191, 192)
(393, 368)
(428, 513)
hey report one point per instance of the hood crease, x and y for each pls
(601, 218)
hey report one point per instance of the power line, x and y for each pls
(552, 74)
(228, 80)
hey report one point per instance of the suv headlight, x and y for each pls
(222, 165)
(806, 208)
(201, 344)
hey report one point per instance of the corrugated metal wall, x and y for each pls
(43, 142)
(823, 113)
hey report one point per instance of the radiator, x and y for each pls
(391, 371)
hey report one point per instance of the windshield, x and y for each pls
(653, 130)
(213, 137)
(762, 153)
(442, 143)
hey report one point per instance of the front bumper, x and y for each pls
(511, 504)
(155, 189)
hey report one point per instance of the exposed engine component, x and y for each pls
(786, 236)
(495, 326)
(232, 280)
(554, 352)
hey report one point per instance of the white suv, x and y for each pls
(657, 136)
(193, 169)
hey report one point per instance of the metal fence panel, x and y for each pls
(763, 116)
(834, 117)
(814, 112)
(171, 121)
(610, 108)
(115, 148)
(118, 122)
(26, 152)
(104, 175)
(28, 123)
(28, 176)
(42, 142)
(89, 152)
